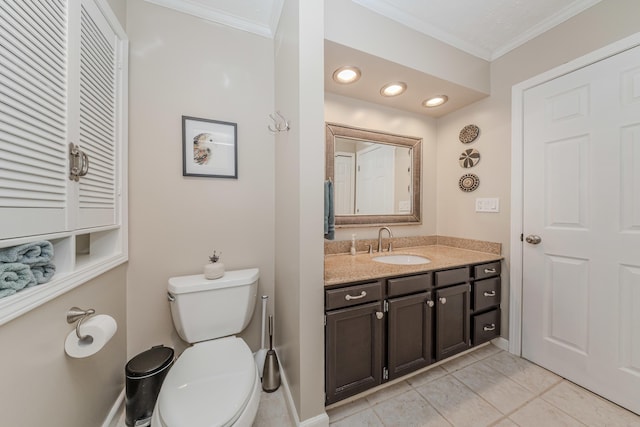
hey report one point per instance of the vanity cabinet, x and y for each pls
(485, 319)
(353, 340)
(409, 324)
(380, 330)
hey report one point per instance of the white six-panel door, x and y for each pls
(581, 197)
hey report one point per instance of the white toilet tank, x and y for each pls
(207, 309)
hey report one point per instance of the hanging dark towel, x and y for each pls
(329, 217)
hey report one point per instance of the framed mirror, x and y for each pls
(376, 176)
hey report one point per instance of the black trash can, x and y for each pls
(145, 374)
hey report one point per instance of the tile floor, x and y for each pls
(487, 387)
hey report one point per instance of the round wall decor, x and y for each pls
(469, 182)
(469, 133)
(469, 158)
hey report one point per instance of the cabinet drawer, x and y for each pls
(486, 326)
(486, 293)
(486, 270)
(452, 277)
(409, 285)
(352, 295)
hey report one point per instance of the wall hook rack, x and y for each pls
(76, 314)
(280, 124)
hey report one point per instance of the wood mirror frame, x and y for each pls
(334, 130)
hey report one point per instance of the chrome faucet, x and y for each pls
(380, 238)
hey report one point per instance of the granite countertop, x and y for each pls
(346, 268)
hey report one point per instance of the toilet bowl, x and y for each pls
(214, 382)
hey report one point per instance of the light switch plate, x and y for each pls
(488, 204)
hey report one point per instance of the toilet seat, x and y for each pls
(211, 384)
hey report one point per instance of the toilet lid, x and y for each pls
(209, 385)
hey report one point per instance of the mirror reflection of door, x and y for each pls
(374, 180)
(344, 183)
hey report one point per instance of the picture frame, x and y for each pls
(209, 148)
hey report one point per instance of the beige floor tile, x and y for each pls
(459, 362)
(459, 405)
(538, 413)
(486, 351)
(588, 407)
(495, 388)
(388, 392)
(426, 376)
(343, 411)
(505, 423)
(525, 373)
(409, 410)
(272, 411)
(366, 418)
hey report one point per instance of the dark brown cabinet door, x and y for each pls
(452, 320)
(353, 350)
(410, 334)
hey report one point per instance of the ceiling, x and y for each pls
(486, 29)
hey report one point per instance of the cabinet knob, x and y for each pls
(491, 327)
(489, 270)
(490, 294)
(379, 315)
(350, 297)
(430, 303)
(442, 300)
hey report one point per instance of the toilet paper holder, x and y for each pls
(76, 314)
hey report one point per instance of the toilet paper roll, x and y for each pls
(97, 331)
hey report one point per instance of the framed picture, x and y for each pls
(209, 148)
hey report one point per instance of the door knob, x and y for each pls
(533, 239)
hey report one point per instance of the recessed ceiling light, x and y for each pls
(393, 89)
(346, 75)
(435, 101)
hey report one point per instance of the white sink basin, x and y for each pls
(402, 259)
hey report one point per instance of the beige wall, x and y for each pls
(299, 204)
(608, 21)
(183, 65)
(353, 112)
(43, 386)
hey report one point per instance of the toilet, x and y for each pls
(215, 381)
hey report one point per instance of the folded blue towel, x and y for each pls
(15, 276)
(29, 253)
(43, 272)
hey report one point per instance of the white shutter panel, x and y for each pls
(33, 105)
(98, 108)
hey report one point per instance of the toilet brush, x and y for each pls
(261, 354)
(271, 373)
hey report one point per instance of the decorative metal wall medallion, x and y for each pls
(469, 158)
(469, 182)
(469, 133)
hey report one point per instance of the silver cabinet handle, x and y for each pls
(490, 294)
(442, 300)
(489, 270)
(379, 315)
(533, 239)
(491, 327)
(430, 303)
(350, 297)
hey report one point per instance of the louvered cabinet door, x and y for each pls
(100, 82)
(33, 117)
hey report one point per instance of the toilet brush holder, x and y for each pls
(271, 371)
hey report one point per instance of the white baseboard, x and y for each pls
(501, 343)
(321, 420)
(116, 410)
